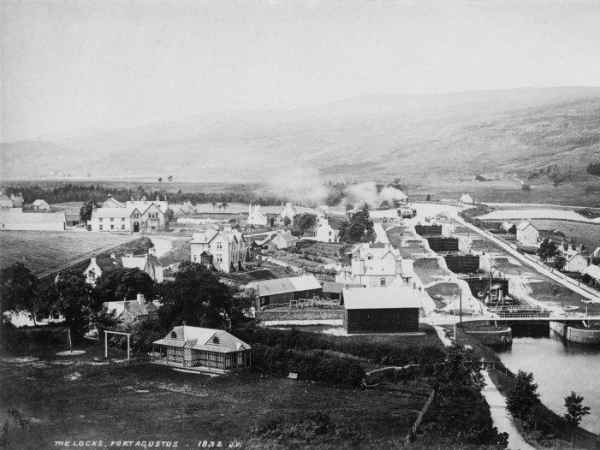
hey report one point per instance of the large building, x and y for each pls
(382, 310)
(527, 234)
(129, 217)
(256, 217)
(17, 219)
(202, 349)
(223, 249)
(371, 265)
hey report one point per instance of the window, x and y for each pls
(215, 339)
(122, 227)
(99, 219)
(173, 335)
(100, 227)
(382, 282)
(112, 227)
(219, 245)
(122, 219)
(112, 219)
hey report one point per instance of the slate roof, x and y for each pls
(285, 285)
(391, 297)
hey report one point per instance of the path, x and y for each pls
(501, 417)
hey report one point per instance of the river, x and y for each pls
(559, 369)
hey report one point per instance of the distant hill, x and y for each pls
(422, 139)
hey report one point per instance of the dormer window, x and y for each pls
(215, 339)
(173, 335)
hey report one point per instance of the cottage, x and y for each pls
(128, 311)
(224, 249)
(577, 262)
(466, 199)
(146, 263)
(202, 349)
(382, 310)
(281, 291)
(527, 234)
(322, 231)
(40, 205)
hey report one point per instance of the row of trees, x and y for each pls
(195, 297)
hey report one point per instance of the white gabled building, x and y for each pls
(131, 217)
(322, 231)
(527, 234)
(375, 265)
(224, 249)
(466, 199)
(576, 263)
(255, 216)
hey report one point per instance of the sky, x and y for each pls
(72, 67)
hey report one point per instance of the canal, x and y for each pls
(558, 369)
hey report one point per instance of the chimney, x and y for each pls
(140, 298)
(93, 260)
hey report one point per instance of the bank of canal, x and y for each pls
(558, 369)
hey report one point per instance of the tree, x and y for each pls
(575, 409)
(287, 221)
(19, 290)
(160, 179)
(73, 301)
(522, 397)
(359, 228)
(170, 178)
(302, 223)
(85, 213)
(122, 284)
(195, 297)
(559, 262)
(169, 215)
(547, 250)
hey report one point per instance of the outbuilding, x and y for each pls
(281, 291)
(392, 309)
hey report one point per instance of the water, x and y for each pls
(558, 369)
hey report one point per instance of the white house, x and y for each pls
(466, 199)
(322, 231)
(40, 205)
(255, 216)
(146, 263)
(99, 265)
(576, 263)
(527, 234)
(371, 266)
(145, 217)
(224, 249)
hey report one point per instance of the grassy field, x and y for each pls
(41, 251)
(79, 400)
(587, 234)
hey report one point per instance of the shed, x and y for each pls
(283, 290)
(382, 309)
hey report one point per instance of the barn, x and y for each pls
(382, 309)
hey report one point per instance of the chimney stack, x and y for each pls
(140, 298)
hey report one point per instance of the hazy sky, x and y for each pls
(74, 66)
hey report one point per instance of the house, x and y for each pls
(222, 249)
(288, 211)
(577, 262)
(128, 311)
(382, 309)
(112, 202)
(371, 265)
(406, 212)
(5, 201)
(14, 201)
(281, 291)
(508, 227)
(40, 205)
(17, 219)
(256, 217)
(527, 234)
(202, 349)
(115, 219)
(144, 204)
(322, 232)
(146, 263)
(99, 265)
(282, 240)
(466, 199)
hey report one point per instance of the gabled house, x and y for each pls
(466, 199)
(577, 262)
(256, 217)
(224, 249)
(322, 231)
(146, 263)
(40, 205)
(98, 265)
(202, 350)
(5, 201)
(281, 291)
(375, 265)
(527, 235)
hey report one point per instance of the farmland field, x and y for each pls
(42, 251)
(587, 234)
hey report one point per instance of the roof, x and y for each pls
(106, 263)
(382, 298)
(112, 212)
(131, 307)
(40, 202)
(208, 339)
(524, 225)
(338, 288)
(284, 285)
(592, 271)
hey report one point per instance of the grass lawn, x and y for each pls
(145, 402)
(43, 251)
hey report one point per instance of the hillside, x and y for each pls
(426, 140)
